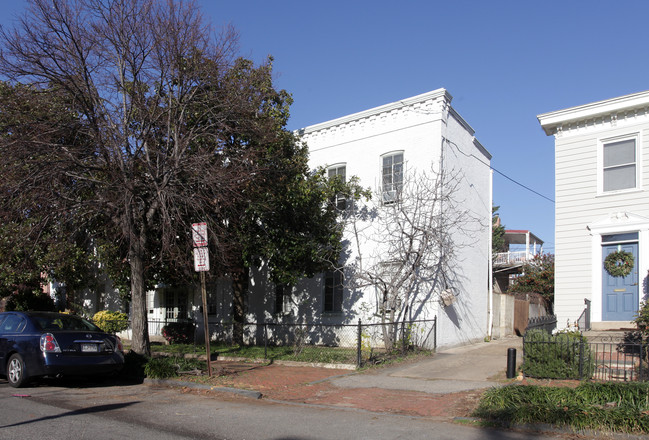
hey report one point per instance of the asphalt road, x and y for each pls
(88, 410)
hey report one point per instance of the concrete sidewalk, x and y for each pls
(470, 367)
(444, 386)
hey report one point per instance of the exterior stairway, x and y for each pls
(617, 355)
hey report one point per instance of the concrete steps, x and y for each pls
(615, 356)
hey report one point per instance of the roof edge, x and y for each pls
(551, 120)
(377, 110)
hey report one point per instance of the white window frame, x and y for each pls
(339, 198)
(392, 195)
(600, 163)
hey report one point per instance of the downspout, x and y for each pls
(490, 307)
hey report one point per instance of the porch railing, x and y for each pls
(512, 258)
(583, 323)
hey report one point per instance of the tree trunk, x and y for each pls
(240, 280)
(139, 324)
(387, 322)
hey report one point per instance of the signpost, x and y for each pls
(202, 265)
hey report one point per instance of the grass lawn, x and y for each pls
(308, 353)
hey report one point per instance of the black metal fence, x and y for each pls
(572, 356)
(547, 323)
(355, 344)
(583, 323)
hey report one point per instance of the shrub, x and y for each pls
(28, 300)
(111, 322)
(160, 368)
(179, 332)
(616, 407)
(561, 356)
(166, 367)
(134, 365)
(642, 319)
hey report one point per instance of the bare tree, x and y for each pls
(167, 122)
(407, 248)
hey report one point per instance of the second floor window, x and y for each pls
(338, 172)
(391, 176)
(619, 165)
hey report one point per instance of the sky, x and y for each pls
(504, 63)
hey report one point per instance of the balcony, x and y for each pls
(522, 246)
(511, 259)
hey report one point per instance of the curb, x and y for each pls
(179, 383)
(544, 428)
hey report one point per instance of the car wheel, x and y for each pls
(16, 374)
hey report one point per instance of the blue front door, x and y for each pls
(620, 294)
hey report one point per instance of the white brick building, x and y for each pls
(376, 146)
(380, 146)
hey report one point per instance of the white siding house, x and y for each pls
(602, 207)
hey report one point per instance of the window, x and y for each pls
(13, 324)
(282, 299)
(175, 304)
(616, 238)
(619, 165)
(391, 176)
(333, 292)
(338, 171)
(212, 300)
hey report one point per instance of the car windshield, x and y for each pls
(63, 322)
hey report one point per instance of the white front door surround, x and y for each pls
(616, 223)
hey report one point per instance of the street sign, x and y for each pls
(201, 259)
(202, 265)
(199, 234)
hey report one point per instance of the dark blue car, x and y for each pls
(38, 344)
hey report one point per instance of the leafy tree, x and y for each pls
(167, 129)
(36, 245)
(164, 126)
(498, 232)
(290, 224)
(538, 277)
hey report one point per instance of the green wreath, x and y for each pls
(619, 264)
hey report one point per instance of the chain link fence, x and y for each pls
(356, 344)
(353, 344)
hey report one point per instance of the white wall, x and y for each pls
(420, 127)
(583, 214)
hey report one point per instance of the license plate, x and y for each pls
(89, 348)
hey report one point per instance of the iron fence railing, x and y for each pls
(583, 323)
(547, 323)
(355, 344)
(572, 356)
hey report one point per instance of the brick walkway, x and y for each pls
(310, 385)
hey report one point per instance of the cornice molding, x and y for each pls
(618, 221)
(609, 112)
(381, 111)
